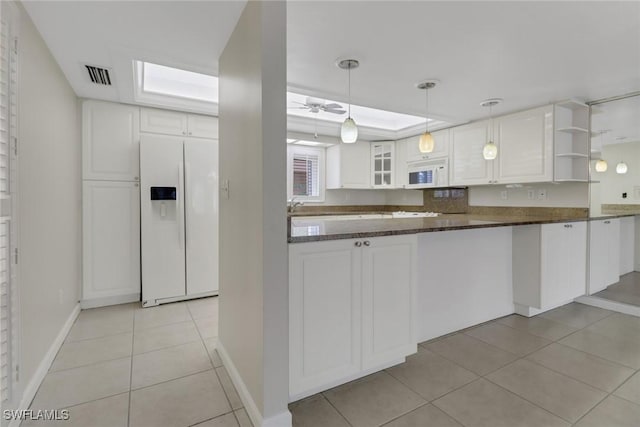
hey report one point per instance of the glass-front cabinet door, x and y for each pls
(382, 158)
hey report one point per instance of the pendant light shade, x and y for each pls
(601, 165)
(490, 149)
(349, 129)
(426, 143)
(621, 168)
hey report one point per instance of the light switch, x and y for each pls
(225, 189)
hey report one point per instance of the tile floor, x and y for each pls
(627, 290)
(154, 367)
(575, 365)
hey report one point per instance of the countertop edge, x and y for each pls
(506, 223)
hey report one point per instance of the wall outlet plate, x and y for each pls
(531, 194)
(542, 194)
(504, 195)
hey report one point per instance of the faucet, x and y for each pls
(293, 204)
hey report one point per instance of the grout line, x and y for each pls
(213, 418)
(333, 406)
(405, 413)
(133, 336)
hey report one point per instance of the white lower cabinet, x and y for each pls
(604, 254)
(549, 265)
(111, 242)
(350, 309)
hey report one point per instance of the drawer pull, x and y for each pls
(367, 243)
(358, 244)
(568, 226)
(607, 222)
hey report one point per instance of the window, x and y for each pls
(305, 177)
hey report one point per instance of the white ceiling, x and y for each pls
(529, 53)
(615, 122)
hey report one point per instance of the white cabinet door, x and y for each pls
(382, 164)
(440, 146)
(324, 314)
(110, 140)
(467, 165)
(201, 215)
(163, 121)
(525, 142)
(563, 251)
(111, 239)
(604, 254)
(388, 295)
(202, 126)
(349, 166)
(400, 164)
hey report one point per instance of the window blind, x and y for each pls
(306, 179)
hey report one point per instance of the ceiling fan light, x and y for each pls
(601, 165)
(621, 168)
(426, 143)
(349, 131)
(490, 151)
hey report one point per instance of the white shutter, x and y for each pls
(8, 185)
(306, 175)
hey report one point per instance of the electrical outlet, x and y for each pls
(531, 194)
(504, 195)
(542, 194)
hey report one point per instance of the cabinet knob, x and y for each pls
(135, 185)
(568, 226)
(367, 243)
(607, 222)
(358, 244)
(136, 178)
(184, 133)
(190, 133)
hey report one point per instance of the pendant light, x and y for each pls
(490, 150)
(426, 143)
(601, 165)
(349, 130)
(621, 168)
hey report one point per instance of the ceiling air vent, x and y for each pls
(99, 76)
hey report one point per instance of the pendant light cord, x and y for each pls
(426, 116)
(349, 91)
(491, 123)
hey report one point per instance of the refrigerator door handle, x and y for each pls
(181, 237)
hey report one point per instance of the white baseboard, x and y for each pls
(105, 301)
(283, 419)
(32, 387)
(620, 307)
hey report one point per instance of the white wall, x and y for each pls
(253, 229)
(612, 184)
(568, 194)
(49, 198)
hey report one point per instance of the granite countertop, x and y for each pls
(611, 216)
(317, 229)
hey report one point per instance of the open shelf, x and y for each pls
(573, 129)
(573, 155)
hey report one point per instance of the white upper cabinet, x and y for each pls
(163, 121)
(467, 165)
(382, 164)
(440, 146)
(349, 165)
(202, 126)
(110, 141)
(180, 124)
(525, 146)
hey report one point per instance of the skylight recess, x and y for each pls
(168, 81)
(364, 116)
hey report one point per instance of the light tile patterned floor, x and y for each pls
(126, 366)
(575, 365)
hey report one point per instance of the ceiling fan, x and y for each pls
(316, 105)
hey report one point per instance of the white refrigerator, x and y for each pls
(179, 218)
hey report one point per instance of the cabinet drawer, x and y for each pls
(163, 121)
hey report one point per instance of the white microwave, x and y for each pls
(428, 173)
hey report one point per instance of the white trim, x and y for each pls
(620, 307)
(37, 378)
(524, 310)
(283, 419)
(113, 300)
